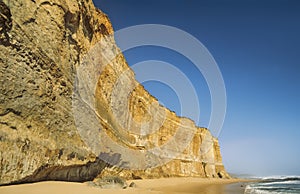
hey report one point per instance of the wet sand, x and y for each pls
(151, 186)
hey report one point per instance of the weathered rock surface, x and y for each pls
(43, 43)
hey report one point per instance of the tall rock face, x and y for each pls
(44, 45)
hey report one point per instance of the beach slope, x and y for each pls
(153, 186)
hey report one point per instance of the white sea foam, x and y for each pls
(253, 190)
(276, 177)
(275, 185)
(296, 182)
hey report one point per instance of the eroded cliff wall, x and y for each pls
(42, 45)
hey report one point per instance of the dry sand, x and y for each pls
(152, 186)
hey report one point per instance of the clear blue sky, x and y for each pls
(256, 44)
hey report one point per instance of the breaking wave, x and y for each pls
(275, 185)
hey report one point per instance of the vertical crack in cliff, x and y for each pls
(5, 23)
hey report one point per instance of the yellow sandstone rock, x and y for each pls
(42, 45)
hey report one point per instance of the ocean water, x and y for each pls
(275, 185)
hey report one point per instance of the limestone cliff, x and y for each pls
(43, 43)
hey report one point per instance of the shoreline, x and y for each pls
(147, 186)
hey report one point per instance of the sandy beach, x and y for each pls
(151, 186)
